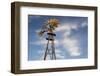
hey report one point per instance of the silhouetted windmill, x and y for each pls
(49, 28)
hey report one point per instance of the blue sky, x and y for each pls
(71, 41)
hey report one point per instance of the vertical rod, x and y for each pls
(54, 51)
(46, 50)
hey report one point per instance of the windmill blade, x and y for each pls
(42, 30)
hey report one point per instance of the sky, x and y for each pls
(71, 41)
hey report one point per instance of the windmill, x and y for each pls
(49, 28)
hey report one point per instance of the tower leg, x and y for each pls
(53, 50)
(46, 50)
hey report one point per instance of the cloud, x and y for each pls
(70, 44)
(59, 56)
(63, 28)
(70, 26)
(66, 27)
(58, 52)
(41, 52)
(43, 42)
(83, 24)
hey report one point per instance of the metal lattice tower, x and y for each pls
(50, 48)
(49, 28)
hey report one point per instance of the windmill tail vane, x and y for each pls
(49, 28)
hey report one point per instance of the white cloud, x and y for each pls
(57, 51)
(75, 53)
(59, 56)
(84, 24)
(43, 42)
(63, 28)
(70, 44)
(69, 26)
(39, 42)
(66, 27)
